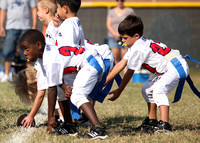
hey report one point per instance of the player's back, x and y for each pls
(70, 32)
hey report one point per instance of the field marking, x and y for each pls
(22, 134)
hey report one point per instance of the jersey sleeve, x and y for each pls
(41, 76)
(54, 72)
(135, 60)
(4, 4)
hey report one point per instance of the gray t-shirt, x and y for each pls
(115, 19)
(18, 13)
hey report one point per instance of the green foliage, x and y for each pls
(119, 117)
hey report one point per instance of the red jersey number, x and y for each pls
(66, 50)
(156, 48)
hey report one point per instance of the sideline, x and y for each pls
(23, 134)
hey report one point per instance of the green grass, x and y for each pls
(119, 117)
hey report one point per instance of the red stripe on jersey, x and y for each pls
(70, 70)
(152, 70)
(88, 41)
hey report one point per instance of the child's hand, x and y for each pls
(67, 89)
(51, 123)
(28, 121)
(116, 93)
(57, 20)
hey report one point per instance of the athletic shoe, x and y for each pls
(147, 125)
(162, 126)
(66, 129)
(97, 132)
(83, 120)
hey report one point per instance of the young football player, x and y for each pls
(88, 64)
(169, 67)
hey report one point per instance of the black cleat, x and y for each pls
(67, 129)
(147, 125)
(97, 132)
(162, 126)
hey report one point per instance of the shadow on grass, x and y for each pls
(186, 127)
(122, 125)
(6, 111)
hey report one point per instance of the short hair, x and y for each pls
(32, 36)
(73, 5)
(51, 4)
(25, 84)
(131, 25)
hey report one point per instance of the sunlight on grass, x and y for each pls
(119, 117)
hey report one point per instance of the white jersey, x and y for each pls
(50, 35)
(70, 32)
(41, 75)
(103, 50)
(62, 60)
(149, 54)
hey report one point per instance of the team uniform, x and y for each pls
(70, 32)
(88, 64)
(50, 34)
(165, 63)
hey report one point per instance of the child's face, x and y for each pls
(61, 11)
(128, 40)
(41, 13)
(31, 51)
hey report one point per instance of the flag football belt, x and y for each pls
(99, 93)
(177, 64)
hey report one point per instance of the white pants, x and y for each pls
(156, 88)
(85, 81)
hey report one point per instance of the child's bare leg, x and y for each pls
(91, 101)
(152, 109)
(164, 113)
(89, 111)
(66, 110)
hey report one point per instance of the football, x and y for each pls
(20, 119)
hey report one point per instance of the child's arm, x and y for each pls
(52, 95)
(116, 70)
(116, 93)
(28, 121)
(34, 17)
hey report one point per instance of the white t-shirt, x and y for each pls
(70, 32)
(41, 75)
(147, 53)
(50, 35)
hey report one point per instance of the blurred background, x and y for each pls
(173, 22)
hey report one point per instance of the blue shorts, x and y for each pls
(113, 43)
(10, 44)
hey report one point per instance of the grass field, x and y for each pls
(118, 117)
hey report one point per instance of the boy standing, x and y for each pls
(165, 63)
(17, 15)
(70, 31)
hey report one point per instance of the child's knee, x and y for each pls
(78, 100)
(160, 98)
